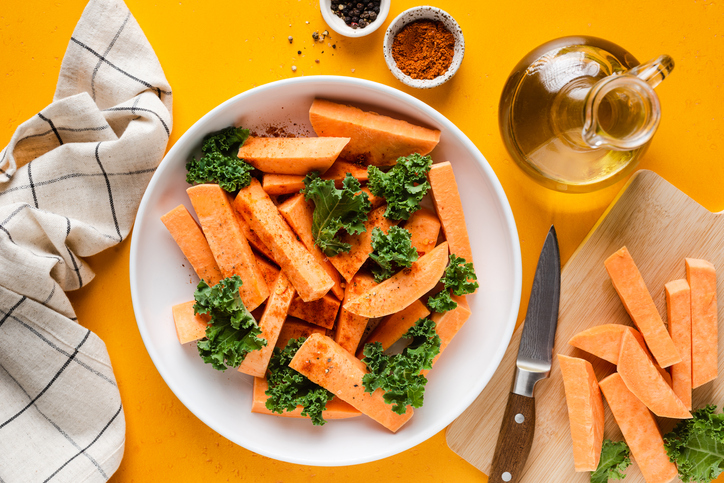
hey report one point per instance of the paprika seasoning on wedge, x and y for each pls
(423, 49)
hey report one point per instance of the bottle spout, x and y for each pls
(654, 71)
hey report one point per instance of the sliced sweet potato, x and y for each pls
(252, 237)
(350, 327)
(424, 228)
(639, 429)
(227, 242)
(585, 411)
(269, 270)
(277, 307)
(449, 323)
(393, 327)
(403, 288)
(604, 341)
(189, 327)
(678, 309)
(642, 379)
(294, 329)
(375, 139)
(192, 242)
(306, 275)
(286, 184)
(449, 209)
(375, 201)
(631, 288)
(335, 409)
(347, 263)
(292, 155)
(299, 214)
(701, 276)
(322, 312)
(326, 363)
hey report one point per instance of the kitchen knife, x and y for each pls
(533, 364)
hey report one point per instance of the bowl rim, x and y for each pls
(198, 130)
(404, 19)
(338, 25)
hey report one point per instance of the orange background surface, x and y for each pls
(212, 50)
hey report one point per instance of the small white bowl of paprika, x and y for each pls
(424, 47)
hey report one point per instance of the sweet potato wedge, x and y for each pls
(292, 155)
(335, 409)
(286, 184)
(701, 276)
(449, 323)
(189, 327)
(350, 327)
(393, 327)
(424, 228)
(678, 309)
(403, 288)
(294, 329)
(322, 312)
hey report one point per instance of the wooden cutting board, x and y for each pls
(661, 226)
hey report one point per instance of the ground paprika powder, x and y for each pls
(423, 49)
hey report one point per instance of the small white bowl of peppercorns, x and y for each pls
(424, 47)
(354, 18)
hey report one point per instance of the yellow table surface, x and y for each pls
(212, 50)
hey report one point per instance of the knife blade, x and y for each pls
(533, 364)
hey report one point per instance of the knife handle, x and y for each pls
(514, 440)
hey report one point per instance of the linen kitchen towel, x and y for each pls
(71, 180)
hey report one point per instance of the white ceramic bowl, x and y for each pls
(338, 25)
(161, 277)
(424, 13)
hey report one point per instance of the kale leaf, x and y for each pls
(697, 445)
(232, 331)
(615, 458)
(399, 374)
(403, 186)
(460, 278)
(289, 389)
(336, 209)
(219, 164)
(391, 252)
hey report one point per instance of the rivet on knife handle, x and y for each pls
(514, 441)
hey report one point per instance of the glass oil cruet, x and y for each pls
(577, 113)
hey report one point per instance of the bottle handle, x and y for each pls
(654, 71)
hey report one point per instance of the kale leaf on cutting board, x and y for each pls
(615, 458)
(697, 445)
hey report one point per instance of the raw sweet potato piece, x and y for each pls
(306, 275)
(292, 155)
(350, 327)
(449, 209)
(277, 306)
(253, 238)
(403, 288)
(376, 139)
(678, 309)
(424, 228)
(375, 201)
(604, 341)
(192, 242)
(299, 214)
(189, 327)
(449, 323)
(268, 270)
(393, 327)
(631, 288)
(326, 363)
(701, 276)
(294, 329)
(348, 263)
(227, 242)
(322, 312)
(335, 409)
(642, 379)
(640, 431)
(585, 411)
(286, 184)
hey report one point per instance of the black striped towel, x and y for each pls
(71, 179)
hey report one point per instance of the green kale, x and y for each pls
(403, 186)
(336, 209)
(219, 164)
(457, 277)
(399, 374)
(289, 389)
(697, 445)
(391, 252)
(615, 458)
(232, 331)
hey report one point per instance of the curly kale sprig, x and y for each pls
(232, 331)
(391, 252)
(697, 445)
(289, 389)
(403, 186)
(219, 163)
(460, 278)
(615, 458)
(399, 374)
